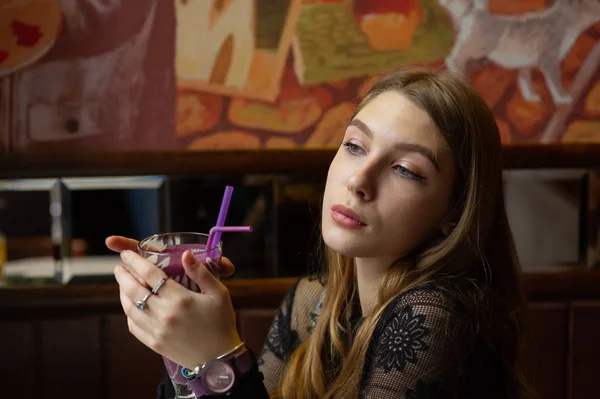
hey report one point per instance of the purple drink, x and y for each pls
(170, 262)
(166, 250)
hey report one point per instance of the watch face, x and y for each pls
(219, 377)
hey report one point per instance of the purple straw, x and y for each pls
(222, 215)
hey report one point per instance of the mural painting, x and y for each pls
(220, 74)
(27, 31)
(235, 47)
(106, 83)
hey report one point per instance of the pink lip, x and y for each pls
(346, 217)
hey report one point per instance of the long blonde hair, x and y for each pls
(479, 250)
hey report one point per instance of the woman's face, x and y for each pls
(390, 184)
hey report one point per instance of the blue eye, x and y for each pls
(402, 171)
(352, 148)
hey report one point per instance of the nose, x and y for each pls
(362, 184)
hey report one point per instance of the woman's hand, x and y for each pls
(188, 328)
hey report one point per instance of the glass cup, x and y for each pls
(165, 251)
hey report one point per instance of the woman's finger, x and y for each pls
(201, 274)
(149, 273)
(119, 243)
(226, 268)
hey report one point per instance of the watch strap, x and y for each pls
(241, 364)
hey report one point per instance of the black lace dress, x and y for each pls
(423, 347)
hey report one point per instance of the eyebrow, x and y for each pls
(426, 152)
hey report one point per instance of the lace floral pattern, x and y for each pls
(282, 340)
(415, 349)
(402, 338)
(290, 327)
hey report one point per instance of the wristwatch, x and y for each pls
(220, 375)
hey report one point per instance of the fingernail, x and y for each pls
(190, 256)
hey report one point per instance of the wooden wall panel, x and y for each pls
(17, 360)
(71, 358)
(546, 348)
(132, 369)
(253, 326)
(584, 362)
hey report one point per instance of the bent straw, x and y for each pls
(222, 215)
(224, 229)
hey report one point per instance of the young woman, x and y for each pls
(420, 297)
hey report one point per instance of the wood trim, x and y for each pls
(172, 163)
(576, 284)
(580, 285)
(304, 161)
(246, 293)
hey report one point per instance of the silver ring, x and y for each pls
(158, 285)
(142, 305)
